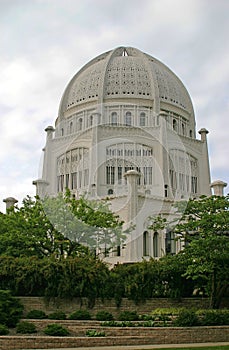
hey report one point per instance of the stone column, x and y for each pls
(10, 202)
(204, 167)
(132, 177)
(50, 130)
(218, 187)
(40, 187)
(203, 133)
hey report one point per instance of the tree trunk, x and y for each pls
(213, 299)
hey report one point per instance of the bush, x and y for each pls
(94, 333)
(128, 316)
(59, 315)
(3, 330)
(56, 330)
(186, 318)
(104, 316)
(11, 309)
(214, 317)
(25, 327)
(80, 315)
(169, 311)
(36, 314)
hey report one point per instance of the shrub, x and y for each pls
(214, 317)
(11, 309)
(148, 323)
(36, 314)
(128, 316)
(56, 330)
(3, 330)
(104, 316)
(94, 333)
(25, 327)
(186, 318)
(59, 315)
(169, 311)
(80, 315)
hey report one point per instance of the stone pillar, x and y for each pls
(40, 187)
(132, 177)
(204, 167)
(10, 202)
(50, 130)
(218, 187)
(203, 133)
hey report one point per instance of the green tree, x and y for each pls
(86, 222)
(204, 228)
(28, 231)
(61, 226)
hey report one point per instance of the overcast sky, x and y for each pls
(43, 43)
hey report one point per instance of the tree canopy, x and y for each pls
(204, 227)
(60, 226)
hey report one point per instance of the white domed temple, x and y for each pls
(126, 132)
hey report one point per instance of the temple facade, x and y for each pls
(126, 132)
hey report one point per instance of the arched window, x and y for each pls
(166, 191)
(62, 132)
(183, 129)
(174, 125)
(71, 128)
(118, 250)
(110, 191)
(170, 242)
(155, 245)
(91, 120)
(145, 243)
(142, 121)
(190, 133)
(114, 118)
(128, 119)
(80, 123)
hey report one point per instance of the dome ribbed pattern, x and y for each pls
(125, 72)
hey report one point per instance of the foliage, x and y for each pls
(86, 222)
(214, 317)
(58, 227)
(186, 318)
(173, 283)
(11, 309)
(56, 330)
(65, 278)
(94, 333)
(104, 316)
(76, 277)
(25, 327)
(58, 315)
(204, 228)
(167, 311)
(128, 316)
(118, 324)
(27, 231)
(147, 279)
(36, 314)
(148, 323)
(3, 330)
(90, 278)
(180, 317)
(80, 315)
(23, 275)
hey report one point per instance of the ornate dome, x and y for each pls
(126, 74)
